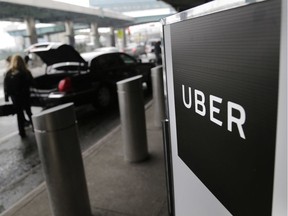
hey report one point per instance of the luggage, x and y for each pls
(7, 109)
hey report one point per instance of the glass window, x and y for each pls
(127, 59)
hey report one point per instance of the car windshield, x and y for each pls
(111, 60)
(127, 59)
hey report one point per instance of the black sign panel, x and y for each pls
(225, 69)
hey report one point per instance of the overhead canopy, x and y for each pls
(47, 11)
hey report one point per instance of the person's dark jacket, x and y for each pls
(17, 84)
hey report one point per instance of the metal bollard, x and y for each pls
(158, 95)
(133, 122)
(57, 139)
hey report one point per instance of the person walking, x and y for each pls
(158, 53)
(17, 82)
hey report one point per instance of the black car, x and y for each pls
(89, 78)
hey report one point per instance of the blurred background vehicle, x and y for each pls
(107, 49)
(135, 50)
(148, 57)
(150, 44)
(150, 51)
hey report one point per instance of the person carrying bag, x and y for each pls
(17, 82)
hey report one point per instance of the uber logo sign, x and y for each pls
(201, 109)
(225, 72)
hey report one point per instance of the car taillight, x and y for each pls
(65, 85)
(134, 50)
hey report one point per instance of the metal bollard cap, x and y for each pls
(156, 70)
(55, 118)
(129, 84)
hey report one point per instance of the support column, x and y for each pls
(123, 38)
(112, 37)
(31, 30)
(69, 33)
(95, 36)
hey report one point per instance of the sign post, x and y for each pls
(225, 100)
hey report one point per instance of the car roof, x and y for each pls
(53, 53)
(88, 56)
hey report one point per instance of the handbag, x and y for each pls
(7, 109)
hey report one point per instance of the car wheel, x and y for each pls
(103, 97)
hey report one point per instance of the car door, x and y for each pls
(130, 65)
(111, 68)
(137, 68)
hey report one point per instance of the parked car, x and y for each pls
(135, 50)
(89, 78)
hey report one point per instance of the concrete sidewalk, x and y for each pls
(116, 187)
